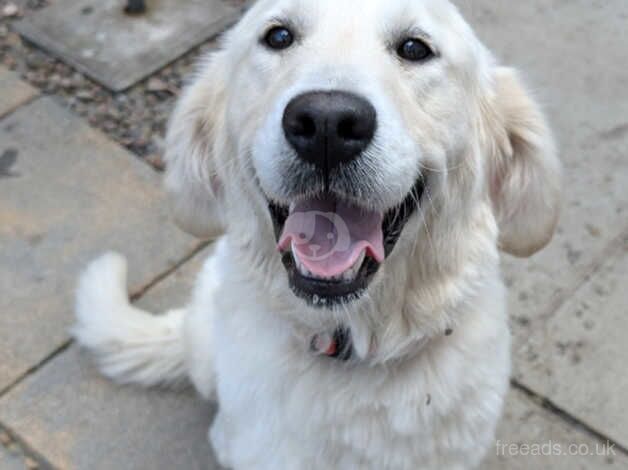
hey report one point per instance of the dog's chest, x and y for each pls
(295, 405)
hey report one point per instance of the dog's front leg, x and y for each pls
(217, 437)
(199, 324)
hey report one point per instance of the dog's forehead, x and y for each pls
(371, 15)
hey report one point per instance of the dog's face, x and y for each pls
(344, 132)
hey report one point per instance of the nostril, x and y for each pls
(300, 126)
(304, 126)
(348, 129)
(354, 127)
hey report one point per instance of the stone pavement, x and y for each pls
(67, 192)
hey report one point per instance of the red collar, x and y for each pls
(336, 345)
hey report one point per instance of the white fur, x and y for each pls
(124, 339)
(413, 397)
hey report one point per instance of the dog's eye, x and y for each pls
(279, 37)
(414, 50)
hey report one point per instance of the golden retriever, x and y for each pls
(362, 163)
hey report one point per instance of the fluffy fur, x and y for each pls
(432, 360)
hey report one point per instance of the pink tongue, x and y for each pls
(329, 236)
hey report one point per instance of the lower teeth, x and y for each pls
(347, 276)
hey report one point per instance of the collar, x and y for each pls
(339, 345)
(336, 345)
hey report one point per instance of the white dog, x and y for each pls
(363, 161)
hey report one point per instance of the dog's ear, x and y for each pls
(524, 171)
(192, 180)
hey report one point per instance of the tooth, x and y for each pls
(297, 262)
(347, 276)
(351, 273)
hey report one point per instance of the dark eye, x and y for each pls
(414, 50)
(279, 38)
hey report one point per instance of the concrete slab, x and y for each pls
(584, 95)
(531, 438)
(76, 420)
(13, 91)
(68, 195)
(117, 49)
(583, 353)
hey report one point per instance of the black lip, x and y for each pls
(323, 293)
(395, 219)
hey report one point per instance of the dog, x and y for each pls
(361, 164)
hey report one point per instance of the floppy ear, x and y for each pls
(524, 171)
(191, 180)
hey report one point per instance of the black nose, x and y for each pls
(329, 128)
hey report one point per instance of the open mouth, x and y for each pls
(331, 248)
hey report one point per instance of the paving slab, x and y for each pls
(76, 419)
(583, 352)
(585, 97)
(116, 49)
(68, 195)
(529, 437)
(13, 92)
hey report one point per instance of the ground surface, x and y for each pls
(74, 179)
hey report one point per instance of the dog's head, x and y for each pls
(360, 141)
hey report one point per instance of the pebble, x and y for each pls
(84, 95)
(66, 83)
(156, 161)
(157, 84)
(10, 10)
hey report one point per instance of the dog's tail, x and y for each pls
(130, 345)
